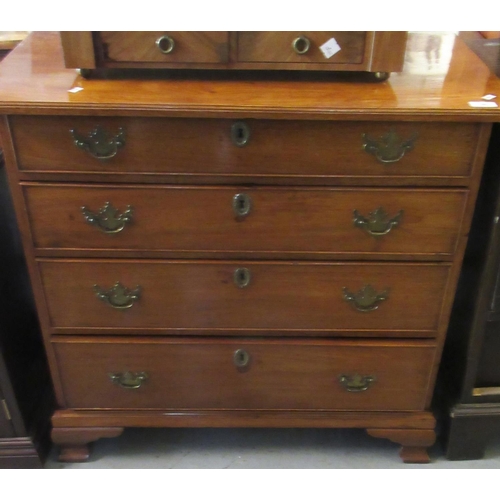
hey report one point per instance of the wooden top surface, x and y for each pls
(440, 78)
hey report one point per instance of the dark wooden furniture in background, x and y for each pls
(469, 383)
(245, 252)
(377, 52)
(26, 398)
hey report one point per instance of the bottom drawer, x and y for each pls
(244, 374)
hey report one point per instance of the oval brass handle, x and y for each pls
(367, 299)
(240, 134)
(242, 277)
(242, 204)
(241, 358)
(108, 219)
(118, 296)
(356, 383)
(301, 45)
(389, 148)
(378, 222)
(99, 143)
(166, 44)
(129, 380)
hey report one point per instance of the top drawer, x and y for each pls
(249, 149)
(302, 46)
(159, 47)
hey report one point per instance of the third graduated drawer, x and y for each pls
(244, 297)
(263, 150)
(243, 221)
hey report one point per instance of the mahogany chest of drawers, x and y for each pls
(246, 253)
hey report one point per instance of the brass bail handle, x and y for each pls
(365, 300)
(108, 219)
(165, 44)
(129, 380)
(356, 382)
(99, 143)
(390, 148)
(301, 45)
(377, 223)
(118, 296)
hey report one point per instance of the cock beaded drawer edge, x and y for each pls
(243, 253)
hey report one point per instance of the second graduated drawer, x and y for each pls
(271, 222)
(254, 297)
(263, 150)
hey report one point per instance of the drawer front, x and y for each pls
(302, 46)
(283, 149)
(258, 220)
(257, 297)
(165, 47)
(244, 374)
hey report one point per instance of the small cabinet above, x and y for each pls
(378, 52)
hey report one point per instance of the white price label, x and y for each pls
(482, 104)
(330, 48)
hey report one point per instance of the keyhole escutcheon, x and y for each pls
(242, 204)
(240, 134)
(242, 277)
(241, 358)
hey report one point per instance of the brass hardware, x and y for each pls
(6, 410)
(389, 148)
(242, 204)
(242, 277)
(129, 380)
(99, 144)
(241, 358)
(301, 45)
(108, 219)
(166, 44)
(367, 299)
(377, 223)
(118, 296)
(356, 383)
(381, 76)
(486, 391)
(240, 134)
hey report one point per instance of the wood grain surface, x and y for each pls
(283, 222)
(280, 375)
(35, 81)
(288, 297)
(276, 148)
